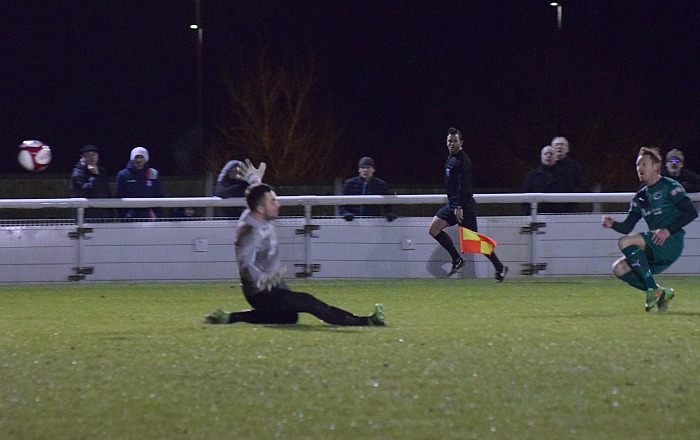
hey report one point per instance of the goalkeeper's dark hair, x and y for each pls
(452, 131)
(255, 194)
(653, 154)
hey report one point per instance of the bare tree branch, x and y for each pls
(274, 115)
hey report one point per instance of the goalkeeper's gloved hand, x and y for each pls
(276, 278)
(252, 175)
(390, 216)
(269, 280)
(349, 216)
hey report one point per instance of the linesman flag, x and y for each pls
(475, 243)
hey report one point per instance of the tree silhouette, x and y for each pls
(275, 112)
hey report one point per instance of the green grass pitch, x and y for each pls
(540, 358)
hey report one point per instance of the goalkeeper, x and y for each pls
(257, 255)
(666, 208)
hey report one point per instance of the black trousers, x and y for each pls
(282, 306)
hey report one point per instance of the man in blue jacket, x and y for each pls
(365, 183)
(138, 180)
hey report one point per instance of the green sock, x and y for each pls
(637, 260)
(633, 280)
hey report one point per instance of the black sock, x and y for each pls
(446, 242)
(496, 262)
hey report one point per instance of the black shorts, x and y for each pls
(468, 221)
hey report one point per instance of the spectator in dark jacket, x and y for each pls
(138, 180)
(366, 184)
(675, 162)
(569, 171)
(89, 180)
(228, 185)
(568, 168)
(544, 179)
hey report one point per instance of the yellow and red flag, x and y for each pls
(475, 243)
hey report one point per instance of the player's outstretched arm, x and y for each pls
(248, 172)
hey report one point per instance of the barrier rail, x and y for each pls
(311, 200)
(43, 251)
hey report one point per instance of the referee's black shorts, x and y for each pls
(468, 221)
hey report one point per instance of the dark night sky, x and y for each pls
(122, 73)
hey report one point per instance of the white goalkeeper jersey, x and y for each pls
(256, 252)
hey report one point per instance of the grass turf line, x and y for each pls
(540, 358)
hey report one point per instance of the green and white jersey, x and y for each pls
(657, 203)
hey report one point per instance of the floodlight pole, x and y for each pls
(200, 98)
(559, 12)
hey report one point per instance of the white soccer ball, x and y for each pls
(34, 155)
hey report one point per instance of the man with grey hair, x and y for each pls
(569, 171)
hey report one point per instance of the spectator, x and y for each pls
(257, 255)
(544, 179)
(568, 167)
(187, 213)
(675, 169)
(569, 171)
(138, 180)
(461, 206)
(366, 184)
(229, 185)
(89, 180)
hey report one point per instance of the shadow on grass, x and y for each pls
(550, 281)
(573, 315)
(313, 328)
(292, 327)
(607, 315)
(681, 313)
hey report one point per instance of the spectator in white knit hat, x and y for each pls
(138, 180)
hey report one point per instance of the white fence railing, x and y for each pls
(313, 200)
(539, 244)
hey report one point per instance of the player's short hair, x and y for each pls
(255, 194)
(452, 131)
(653, 154)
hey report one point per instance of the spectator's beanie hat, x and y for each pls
(87, 148)
(139, 151)
(224, 171)
(675, 153)
(366, 162)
